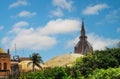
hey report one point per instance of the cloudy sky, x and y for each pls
(52, 27)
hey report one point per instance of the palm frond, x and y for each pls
(38, 65)
(36, 60)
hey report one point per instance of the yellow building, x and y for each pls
(4, 63)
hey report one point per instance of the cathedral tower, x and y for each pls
(83, 46)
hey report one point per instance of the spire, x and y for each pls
(8, 51)
(83, 46)
(83, 30)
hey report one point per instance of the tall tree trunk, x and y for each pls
(33, 67)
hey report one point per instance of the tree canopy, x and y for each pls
(36, 59)
(97, 65)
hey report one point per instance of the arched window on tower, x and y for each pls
(5, 66)
(0, 66)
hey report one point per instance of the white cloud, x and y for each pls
(58, 12)
(98, 42)
(20, 24)
(113, 16)
(94, 10)
(17, 26)
(18, 3)
(29, 39)
(5, 40)
(64, 4)
(26, 14)
(60, 26)
(39, 38)
(118, 29)
(72, 43)
(1, 27)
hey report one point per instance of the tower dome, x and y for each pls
(83, 46)
(1, 50)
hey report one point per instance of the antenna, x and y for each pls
(16, 57)
(15, 49)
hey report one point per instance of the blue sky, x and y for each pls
(52, 27)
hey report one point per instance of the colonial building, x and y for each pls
(4, 63)
(83, 46)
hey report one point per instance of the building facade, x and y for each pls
(4, 63)
(83, 46)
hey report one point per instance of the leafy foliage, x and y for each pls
(110, 73)
(98, 59)
(98, 65)
(50, 73)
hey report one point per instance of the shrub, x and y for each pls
(110, 73)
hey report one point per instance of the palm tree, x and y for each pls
(36, 59)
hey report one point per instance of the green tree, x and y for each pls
(101, 64)
(36, 59)
(110, 73)
(99, 59)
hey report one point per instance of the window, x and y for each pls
(5, 66)
(0, 66)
